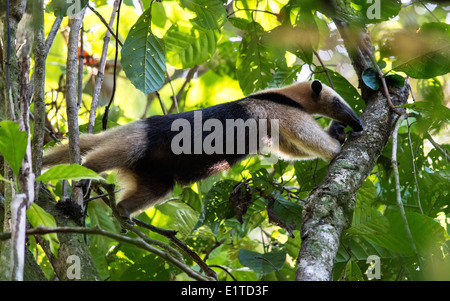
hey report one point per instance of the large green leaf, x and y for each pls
(188, 44)
(429, 52)
(260, 262)
(143, 56)
(38, 217)
(211, 14)
(69, 172)
(253, 68)
(13, 144)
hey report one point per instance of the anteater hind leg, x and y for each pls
(142, 190)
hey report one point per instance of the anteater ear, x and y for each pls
(316, 86)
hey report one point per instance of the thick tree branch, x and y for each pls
(329, 208)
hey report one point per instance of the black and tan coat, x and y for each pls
(141, 151)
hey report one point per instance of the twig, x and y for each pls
(397, 185)
(174, 97)
(434, 16)
(161, 103)
(436, 145)
(268, 261)
(167, 233)
(108, 26)
(105, 116)
(414, 166)
(180, 245)
(133, 241)
(224, 269)
(252, 10)
(325, 69)
(100, 72)
(383, 81)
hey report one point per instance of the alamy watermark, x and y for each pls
(374, 269)
(236, 141)
(74, 269)
(374, 10)
(73, 7)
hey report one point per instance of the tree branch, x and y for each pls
(101, 70)
(71, 99)
(138, 242)
(397, 185)
(329, 208)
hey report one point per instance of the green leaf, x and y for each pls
(64, 8)
(253, 68)
(216, 205)
(13, 144)
(253, 260)
(211, 14)
(288, 211)
(69, 172)
(429, 54)
(389, 232)
(188, 45)
(395, 80)
(371, 79)
(143, 56)
(38, 217)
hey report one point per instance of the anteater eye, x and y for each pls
(336, 100)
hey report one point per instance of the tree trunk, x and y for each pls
(329, 208)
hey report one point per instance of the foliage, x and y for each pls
(233, 50)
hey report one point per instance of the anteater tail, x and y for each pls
(119, 147)
(60, 154)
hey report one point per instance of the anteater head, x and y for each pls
(325, 101)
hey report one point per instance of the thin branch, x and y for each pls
(167, 233)
(397, 185)
(252, 10)
(436, 145)
(426, 7)
(383, 81)
(325, 69)
(138, 242)
(105, 116)
(414, 166)
(268, 261)
(161, 103)
(108, 26)
(174, 97)
(100, 72)
(224, 269)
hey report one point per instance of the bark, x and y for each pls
(70, 244)
(100, 72)
(16, 10)
(72, 106)
(40, 54)
(329, 208)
